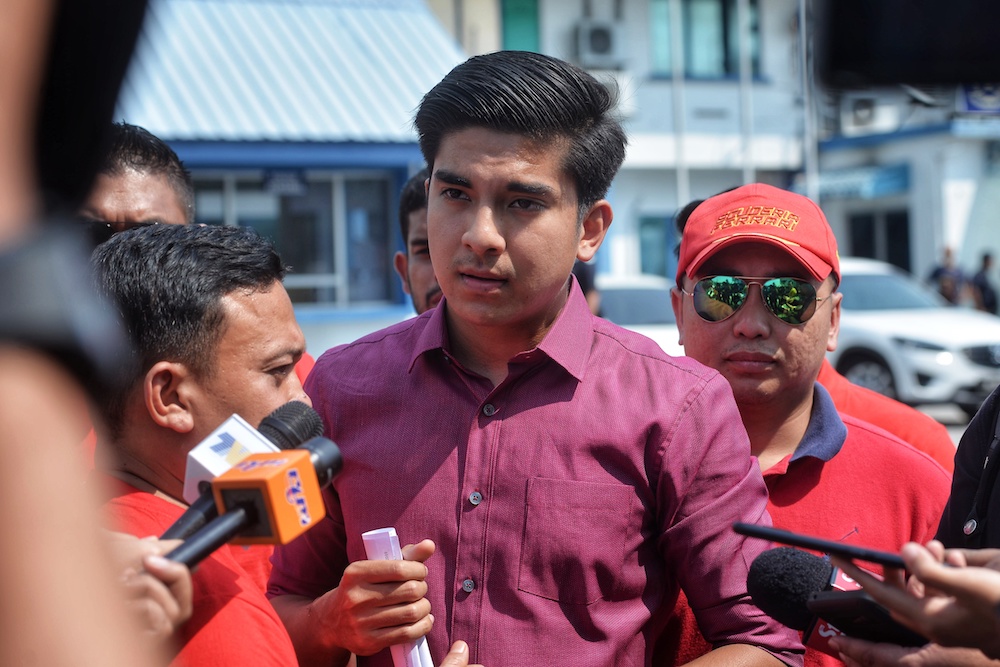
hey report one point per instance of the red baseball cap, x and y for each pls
(764, 214)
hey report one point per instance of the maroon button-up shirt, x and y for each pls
(568, 503)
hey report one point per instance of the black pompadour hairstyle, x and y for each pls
(413, 197)
(537, 96)
(134, 147)
(167, 283)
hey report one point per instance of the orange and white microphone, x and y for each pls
(267, 498)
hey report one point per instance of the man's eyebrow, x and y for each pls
(536, 189)
(452, 178)
(294, 352)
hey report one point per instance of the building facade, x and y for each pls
(721, 92)
(295, 118)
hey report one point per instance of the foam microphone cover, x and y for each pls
(291, 424)
(781, 580)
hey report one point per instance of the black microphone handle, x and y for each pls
(210, 537)
(197, 515)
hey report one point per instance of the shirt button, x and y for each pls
(468, 585)
(475, 498)
(970, 527)
(489, 410)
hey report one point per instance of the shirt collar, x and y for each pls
(434, 335)
(567, 342)
(826, 432)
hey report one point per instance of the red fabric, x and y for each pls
(256, 560)
(908, 424)
(305, 365)
(876, 492)
(233, 623)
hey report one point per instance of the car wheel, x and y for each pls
(869, 372)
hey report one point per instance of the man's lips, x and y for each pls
(481, 281)
(749, 360)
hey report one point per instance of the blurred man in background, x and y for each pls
(414, 264)
(141, 181)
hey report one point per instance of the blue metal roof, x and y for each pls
(285, 70)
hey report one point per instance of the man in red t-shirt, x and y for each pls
(756, 299)
(215, 335)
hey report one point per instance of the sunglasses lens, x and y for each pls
(718, 297)
(790, 300)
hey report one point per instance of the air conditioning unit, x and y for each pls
(866, 114)
(599, 44)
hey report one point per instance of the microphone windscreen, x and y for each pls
(291, 424)
(781, 580)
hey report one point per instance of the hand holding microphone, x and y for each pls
(953, 603)
(158, 592)
(806, 593)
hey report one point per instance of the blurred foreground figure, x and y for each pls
(61, 64)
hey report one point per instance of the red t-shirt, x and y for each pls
(233, 623)
(874, 491)
(908, 424)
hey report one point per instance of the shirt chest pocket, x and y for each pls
(576, 541)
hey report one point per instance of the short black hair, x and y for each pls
(134, 147)
(537, 96)
(167, 282)
(412, 198)
(680, 221)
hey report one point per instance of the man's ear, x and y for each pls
(831, 343)
(595, 226)
(677, 303)
(167, 389)
(401, 263)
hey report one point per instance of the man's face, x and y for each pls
(133, 197)
(763, 358)
(254, 361)
(502, 222)
(414, 267)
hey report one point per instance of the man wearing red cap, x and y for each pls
(757, 300)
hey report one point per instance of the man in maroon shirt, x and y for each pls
(571, 477)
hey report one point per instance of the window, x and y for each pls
(657, 238)
(333, 230)
(710, 31)
(882, 235)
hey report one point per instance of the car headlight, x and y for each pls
(922, 345)
(943, 357)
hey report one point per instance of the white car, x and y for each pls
(641, 303)
(898, 337)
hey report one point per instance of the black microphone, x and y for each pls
(267, 498)
(287, 427)
(806, 593)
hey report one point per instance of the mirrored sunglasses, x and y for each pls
(791, 300)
